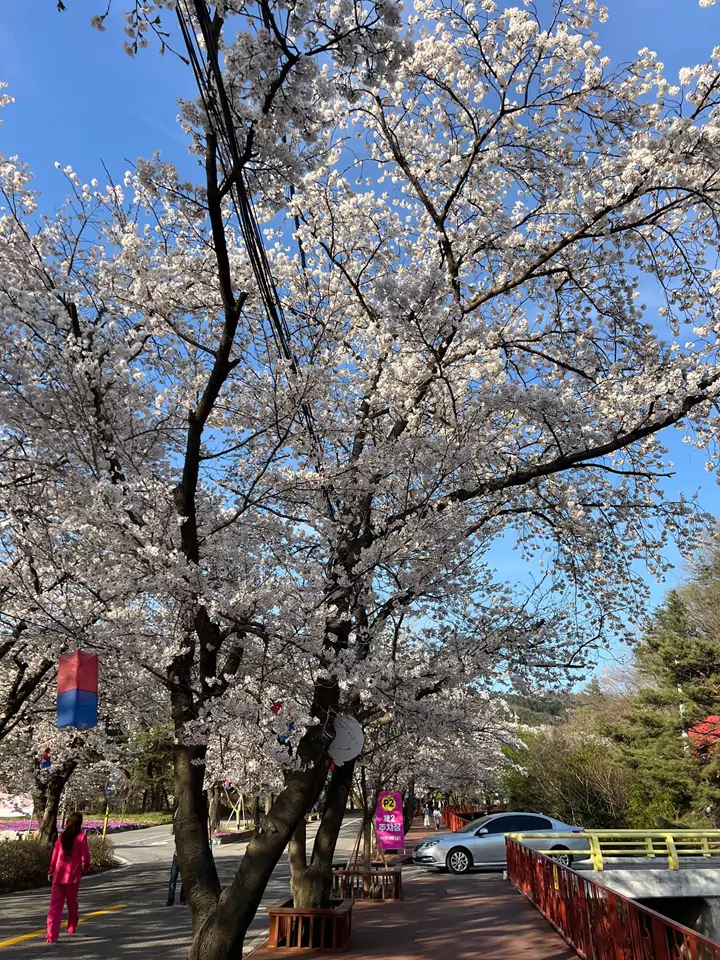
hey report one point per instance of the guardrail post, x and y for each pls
(673, 861)
(595, 852)
(658, 933)
(584, 922)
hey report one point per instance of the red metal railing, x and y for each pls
(456, 821)
(449, 811)
(598, 923)
(458, 817)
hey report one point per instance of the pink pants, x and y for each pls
(61, 892)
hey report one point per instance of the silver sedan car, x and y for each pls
(482, 842)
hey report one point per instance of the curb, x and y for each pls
(262, 942)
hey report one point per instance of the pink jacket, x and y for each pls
(70, 869)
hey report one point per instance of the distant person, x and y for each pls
(427, 815)
(437, 817)
(70, 860)
(174, 872)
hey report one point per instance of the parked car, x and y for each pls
(482, 842)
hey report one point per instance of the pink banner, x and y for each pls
(389, 821)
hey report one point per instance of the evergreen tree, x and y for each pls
(646, 755)
(152, 771)
(674, 776)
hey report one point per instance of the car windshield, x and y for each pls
(475, 825)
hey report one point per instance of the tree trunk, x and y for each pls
(297, 855)
(409, 805)
(49, 791)
(367, 844)
(197, 866)
(47, 831)
(214, 809)
(39, 801)
(312, 884)
(368, 799)
(367, 810)
(220, 934)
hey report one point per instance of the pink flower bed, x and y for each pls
(20, 826)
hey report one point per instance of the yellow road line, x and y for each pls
(43, 932)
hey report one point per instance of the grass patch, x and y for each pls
(141, 819)
(24, 863)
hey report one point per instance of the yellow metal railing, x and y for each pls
(604, 844)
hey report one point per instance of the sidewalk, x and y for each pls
(473, 917)
(416, 832)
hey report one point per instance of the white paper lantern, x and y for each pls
(349, 739)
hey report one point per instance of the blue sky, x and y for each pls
(81, 100)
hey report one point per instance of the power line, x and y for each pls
(233, 162)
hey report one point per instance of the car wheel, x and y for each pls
(562, 857)
(459, 860)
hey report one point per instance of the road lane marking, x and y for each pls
(63, 926)
(145, 840)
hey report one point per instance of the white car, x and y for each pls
(482, 842)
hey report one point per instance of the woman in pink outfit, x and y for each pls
(70, 860)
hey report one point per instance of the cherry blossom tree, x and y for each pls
(451, 742)
(400, 322)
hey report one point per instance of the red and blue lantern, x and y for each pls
(77, 693)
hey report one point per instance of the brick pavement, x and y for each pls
(478, 916)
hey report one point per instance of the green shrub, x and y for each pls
(25, 863)
(102, 853)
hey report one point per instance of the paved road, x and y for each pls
(137, 924)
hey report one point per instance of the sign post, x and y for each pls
(116, 789)
(389, 827)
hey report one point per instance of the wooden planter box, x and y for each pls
(359, 884)
(296, 929)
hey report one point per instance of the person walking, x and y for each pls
(174, 872)
(427, 815)
(70, 860)
(436, 817)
